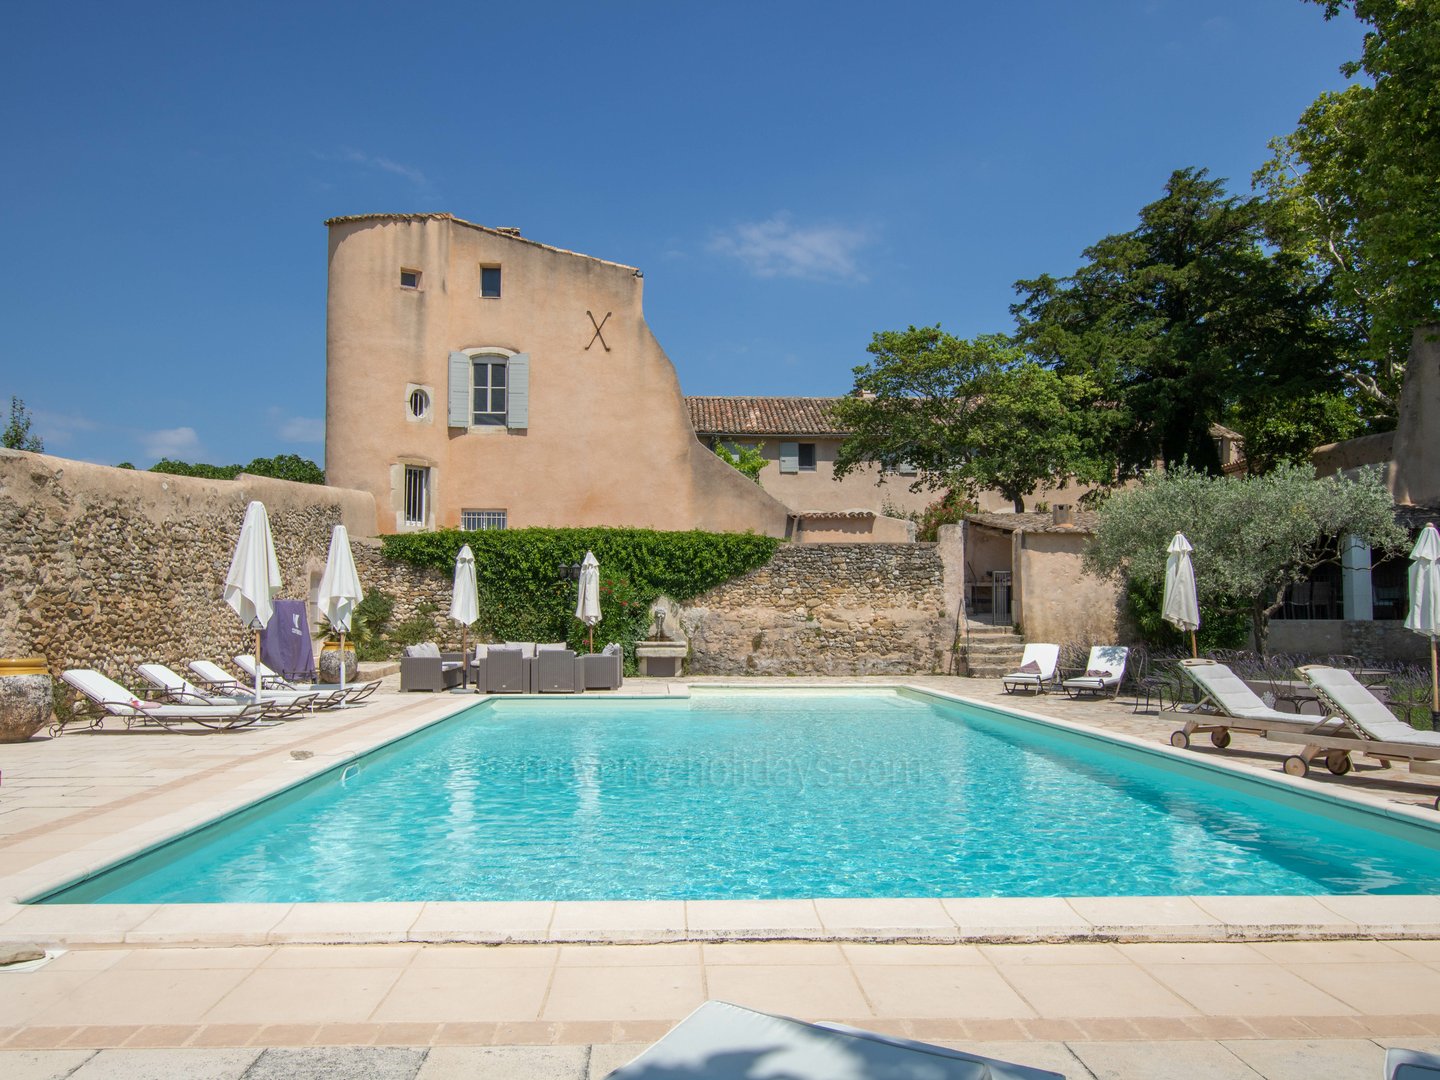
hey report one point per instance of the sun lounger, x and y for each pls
(114, 700)
(219, 682)
(181, 691)
(273, 680)
(1367, 727)
(1411, 1065)
(1104, 672)
(720, 1041)
(1227, 704)
(1037, 668)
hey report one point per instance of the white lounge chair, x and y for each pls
(1227, 704)
(1104, 672)
(1410, 1065)
(1041, 660)
(114, 700)
(1367, 726)
(221, 683)
(720, 1041)
(181, 691)
(273, 680)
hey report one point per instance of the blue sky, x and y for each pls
(791, 176)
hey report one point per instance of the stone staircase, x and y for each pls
(992, 651)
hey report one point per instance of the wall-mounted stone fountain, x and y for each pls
(662, 654)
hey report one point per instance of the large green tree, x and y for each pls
(1252, 535)
(281, 467)
(966, 415)
(1359, 184)
(1180, 319)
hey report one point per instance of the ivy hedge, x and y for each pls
(523, 596)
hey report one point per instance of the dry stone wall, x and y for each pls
(825, 609)
(108, 568)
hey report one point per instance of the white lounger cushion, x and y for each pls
(1230, 693)
(720, 1041)
(1046, 656)
(121, 702)
(1365, 712)
(161, 676)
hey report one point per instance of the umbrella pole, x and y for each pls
(464, 659)
(1434, 683)
(1194, 649)
(592, 639)
(257, 664)
(342, 664)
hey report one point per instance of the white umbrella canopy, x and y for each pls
(587, 609)
(1424, 617)
(464, 602)
(254, 576)
(340, 591)
(1181, 608)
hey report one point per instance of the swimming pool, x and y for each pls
(760, 795)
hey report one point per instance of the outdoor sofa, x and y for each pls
(605, 670)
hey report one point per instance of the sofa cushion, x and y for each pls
(527, 648)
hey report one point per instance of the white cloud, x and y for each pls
(778, 247)
(180, 442)
(303, 429)
(384, 164)
(59, 429)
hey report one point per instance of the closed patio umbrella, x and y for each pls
(254, 577)
(464, 604)
(1181, 608)
(1424, 617)
(340, 592)
(587, 609)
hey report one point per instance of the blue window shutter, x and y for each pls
(518, 415)
(789, 457)
(459, 390)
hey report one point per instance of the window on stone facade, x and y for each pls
(417, 494)
(490, 387)
(475, 520)
(409, 279)
(490, 281)
(806, 456)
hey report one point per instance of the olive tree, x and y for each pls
(1253, 536)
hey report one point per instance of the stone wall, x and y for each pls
(832, 609)
(108, 568)
(1378, 641)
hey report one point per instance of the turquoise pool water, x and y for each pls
(752, 795)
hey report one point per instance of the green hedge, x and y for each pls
(523, 597)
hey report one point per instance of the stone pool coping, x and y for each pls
(1092, 919)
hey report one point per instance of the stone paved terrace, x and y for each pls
(1192, 987)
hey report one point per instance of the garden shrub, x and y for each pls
(523, 596)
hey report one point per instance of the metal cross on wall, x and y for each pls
(598, 327)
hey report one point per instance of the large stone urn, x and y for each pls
(27, 697)
(330, 660)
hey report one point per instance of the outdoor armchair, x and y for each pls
(114, 700)
(507, 670)
(604, 670)
(425, 667)
(557, 670)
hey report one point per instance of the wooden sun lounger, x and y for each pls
(1227, 704)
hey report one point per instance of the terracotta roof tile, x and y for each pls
(1085, 522)
(763, 416)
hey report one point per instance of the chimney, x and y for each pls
(1063, 514)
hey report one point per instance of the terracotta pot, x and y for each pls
(27, 697)
(330, 663)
